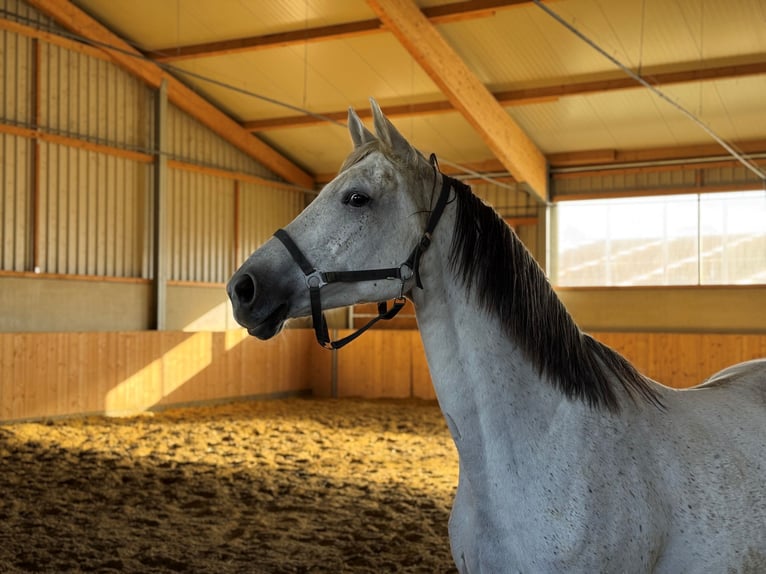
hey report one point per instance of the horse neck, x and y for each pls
(485, 384)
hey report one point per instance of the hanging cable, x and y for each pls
(659, 93)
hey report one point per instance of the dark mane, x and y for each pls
(507, 282)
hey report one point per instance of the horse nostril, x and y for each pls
(244, 289)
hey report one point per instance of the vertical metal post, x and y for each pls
(237, 258)
(36, 114)
(160, 258)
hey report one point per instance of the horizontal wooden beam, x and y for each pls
(604, 157)
(228, 174)
(658, 167)
(51, 38)
(400, 111)
(124, 55)
(436, 14)
(502, 135)
(520, 221)
(138, 156)
(683, 73)
(78, 143)
(613, 156)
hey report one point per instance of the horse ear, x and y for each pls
(359, 133)
(389, 134)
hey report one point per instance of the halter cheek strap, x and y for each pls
(315, 279)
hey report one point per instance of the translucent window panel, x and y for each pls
(733, 238)
(632, 241)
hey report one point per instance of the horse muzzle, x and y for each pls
(254, 308)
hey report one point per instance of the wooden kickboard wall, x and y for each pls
(118, 373)
(59, 374)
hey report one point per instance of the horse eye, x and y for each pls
(356, 199)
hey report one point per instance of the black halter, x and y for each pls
(315, 280)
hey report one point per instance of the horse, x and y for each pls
(570, 459)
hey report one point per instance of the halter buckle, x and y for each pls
(315, 280)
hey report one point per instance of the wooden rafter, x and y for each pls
(77, 21)
(436, 14)
(746, 66)
(505, 139)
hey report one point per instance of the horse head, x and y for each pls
(366, 219)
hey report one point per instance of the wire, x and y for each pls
(478, 175)
(659, 93)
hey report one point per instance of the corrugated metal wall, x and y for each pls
(508, 201)
(90, 98)
(668, 179)
(16, 77)
(82, 205)
(15, 206)
(203, 213)
(262, 211)
(92, 213)
(189, 140)
(200, 226)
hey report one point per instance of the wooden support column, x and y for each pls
(160, 209)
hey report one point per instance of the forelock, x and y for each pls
(360, 153)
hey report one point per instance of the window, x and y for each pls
(707, 239)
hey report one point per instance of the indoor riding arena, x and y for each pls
(148, 148)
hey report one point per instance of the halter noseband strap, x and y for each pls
(315, 279)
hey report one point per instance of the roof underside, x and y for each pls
(708, 56)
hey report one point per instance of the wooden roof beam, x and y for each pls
(502, 135)
(77, 21)
(613, 156)
(602, 158)
(437, 14)
(737, 68)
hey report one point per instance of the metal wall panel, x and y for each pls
(20, 11)
(262, 210)
(631, 182)
(16, 78)
(92, 99)
(15, 202)
(731, 176)
(200, 226)
(667, 180)
(16, 155)
(507, 201)
(92, 213)
(190, 141)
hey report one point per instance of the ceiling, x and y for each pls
(494, 86)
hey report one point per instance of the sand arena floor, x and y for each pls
(284, 486)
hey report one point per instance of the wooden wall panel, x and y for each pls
(371, 366)
(56, 374)
(377, 365)
(684, 359)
